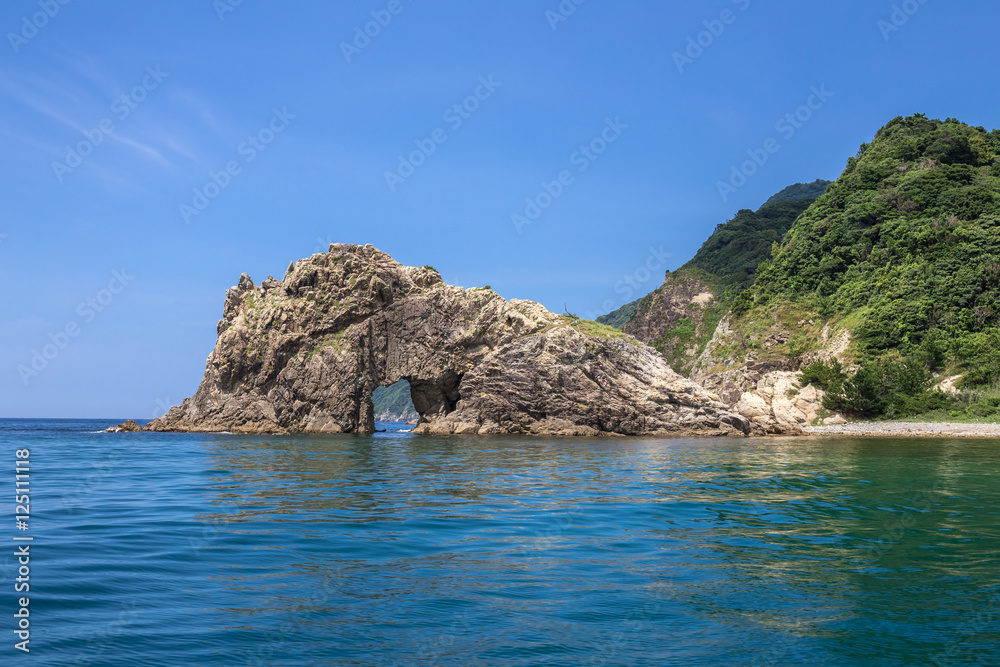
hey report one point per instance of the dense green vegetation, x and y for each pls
(619, 318)
(903, 250)
(800, 191)
(394, 400)
(733, 252)
(897, 388)
(905, 245)
(886, 387)
(827, 376)
(981, 404)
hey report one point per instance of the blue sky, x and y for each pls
(262, 106)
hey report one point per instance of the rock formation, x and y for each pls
(125, 427)
(675, 317)
(780, 405)
(305, 353)
(767, 390)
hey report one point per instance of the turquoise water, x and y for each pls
(394, 549)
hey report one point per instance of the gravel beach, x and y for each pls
(909, 429)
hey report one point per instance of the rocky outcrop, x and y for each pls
(667, 305)
(948, 385)
(765, 388)
(125, 427)
(305, 353)
(781, 406)
(676, 319)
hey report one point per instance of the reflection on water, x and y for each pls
(395, 549)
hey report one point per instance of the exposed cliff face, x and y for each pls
(677, 318)
(778, 403)
(304, 354)
(760, 381)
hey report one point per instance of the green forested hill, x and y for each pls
(904, 248)
(619, 318)
(730, 256)
(800, 191)
(733, 252)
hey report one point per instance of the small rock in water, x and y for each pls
(126, 427)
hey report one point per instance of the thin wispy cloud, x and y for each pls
(35, 103)
(202, 107)
(171, 141)
(93, 69)
(141, 148)
(59, 111)
(29, 141)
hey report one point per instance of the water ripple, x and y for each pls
(393, 549)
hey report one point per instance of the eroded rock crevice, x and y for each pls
(436, 399)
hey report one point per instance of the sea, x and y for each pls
(148, 549)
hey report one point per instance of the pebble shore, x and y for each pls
(909, 429)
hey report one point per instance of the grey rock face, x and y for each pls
(304, 354)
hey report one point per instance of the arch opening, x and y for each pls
(394, 403)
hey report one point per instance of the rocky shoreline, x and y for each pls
(862, 429)
(908, 430)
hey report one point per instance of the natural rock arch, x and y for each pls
(304, 354)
